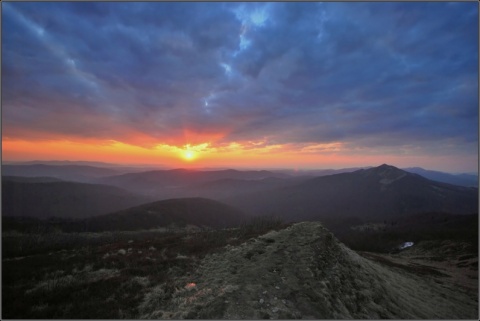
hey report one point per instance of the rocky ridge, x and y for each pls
(303, 271)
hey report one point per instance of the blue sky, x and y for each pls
(389, 78)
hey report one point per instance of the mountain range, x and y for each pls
(97, 172)
(75, 173)
(127, 252)
(374, 193)
(172, 183)
(468, 180)
(43, 198)
(199, 212)
(378, 192)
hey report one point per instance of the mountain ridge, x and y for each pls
(180, 212)
(164, 182)
(64, 199)
(75, 173)
(305, 273)
(463, 179)
(382, 191)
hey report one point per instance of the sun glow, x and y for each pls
(252, 154)
(189, 155)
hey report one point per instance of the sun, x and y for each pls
(189, 155)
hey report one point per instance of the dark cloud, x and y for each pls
(365, 73)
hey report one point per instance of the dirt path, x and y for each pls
(303, 272)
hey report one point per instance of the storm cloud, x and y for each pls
(370, 75)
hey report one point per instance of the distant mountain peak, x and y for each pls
(384, 169)
(386, 166)
(386, 174)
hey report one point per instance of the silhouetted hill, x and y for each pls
(319, 172)
(387, 234)
(23, 179)
(379, 192)
(224, 188)
(467, 180)
(180, 212)
(170, 183)
(64, 199)
(76, 173)
(61, 162)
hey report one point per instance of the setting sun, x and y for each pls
(189, 155)
(237, 102)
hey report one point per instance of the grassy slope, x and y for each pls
(301, 271)
(304, 272)
(49, 274)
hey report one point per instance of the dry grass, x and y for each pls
(51, 275)
(304, 272)
(265, 269)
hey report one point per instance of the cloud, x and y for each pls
(367, 74)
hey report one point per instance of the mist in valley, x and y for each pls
(144, 241)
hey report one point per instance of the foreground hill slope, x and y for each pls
(63, 199)
(199, 212)
(303, 272)
(380, 192)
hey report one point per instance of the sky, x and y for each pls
(244, 84)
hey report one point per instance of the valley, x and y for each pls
(327, 247)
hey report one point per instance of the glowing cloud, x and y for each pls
(243, 84)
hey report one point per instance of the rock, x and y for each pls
(231, 288)
(190, 286)
(122, 252)
(261, 301)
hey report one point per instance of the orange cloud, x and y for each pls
(112, 151)
(234, 155)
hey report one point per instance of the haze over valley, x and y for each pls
(376, 192)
